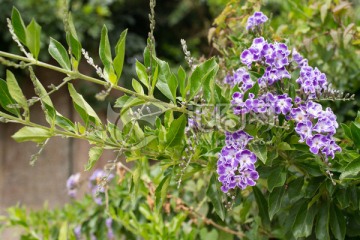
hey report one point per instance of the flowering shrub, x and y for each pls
(250, 152)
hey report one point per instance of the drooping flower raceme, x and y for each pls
(315, 126)
(236, 164)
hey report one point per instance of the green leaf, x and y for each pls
(182, 81)
(214, 193)
(294, 189)
(322, 223)
(176, 130)
(33, 134)
(33, 31)
(275, 199)
(337, 223)
(18, 25)
(304, 221)
(351, 170)
(59, 53)
(161, 190)
(208, 85)
(6, 100)
(276, 178)
(94, 155)
(167, 82)
(200, 73)
(137, 87)
(73, 40)
(141, 73)
(83, 108)
(63, 235)
(346, 130)
(262, 205)
(105, 49)
(260, 151)
(15, 91)
(120, 54)
(355, 133)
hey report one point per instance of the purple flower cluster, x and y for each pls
(316, 127)
(95, 184)
(236, 163)
(255, 20)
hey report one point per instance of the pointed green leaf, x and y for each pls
(33, 31)
(355, 133)
(208, 84)
(351, 170)
(63, 234)
(276, 178)
(167, 82)
(161, 190)
(18, 25)
(15, 90)
(337, 223)
(6, 101)
(141, 73)
(200, 73)
(275, 199)
(322, 223)
(59, 53)
(94, 155)
(120, 54)
(137, 87)
(83, 108)
(214, 193)
(182, 81)
(105, 49)
(176, 131)
(33, 134)
(262, 205)
(304, 221)
(260, 151)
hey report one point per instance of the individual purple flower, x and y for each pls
(283, 104)
(238, 139)
(330, 149)
(246, 158)
(304, 129)
(242, 77)
(313, 109)
(324, 125)
(257, 47)
(229, 79)
(247, 177)
(255, 20)
(248, 57)
(316, 142)
(238, 104)
(300, 60)
(72, 184)
(298, 114)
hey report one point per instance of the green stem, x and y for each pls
(76, 74)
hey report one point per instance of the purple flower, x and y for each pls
(95, 184)
(255, 20)
(248, 57)
(298, 114)
(316, 142)
(247, 177)
(283, 104)
(238, 104)
(330, 149)
(72, 184)
(304, 129)
(241, 76)
(238, 139)
(246, 158)
(229, 79)
(296, 57)
(324, 125)
(313, 109)
(110, 233)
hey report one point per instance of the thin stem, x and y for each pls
(76, 74)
